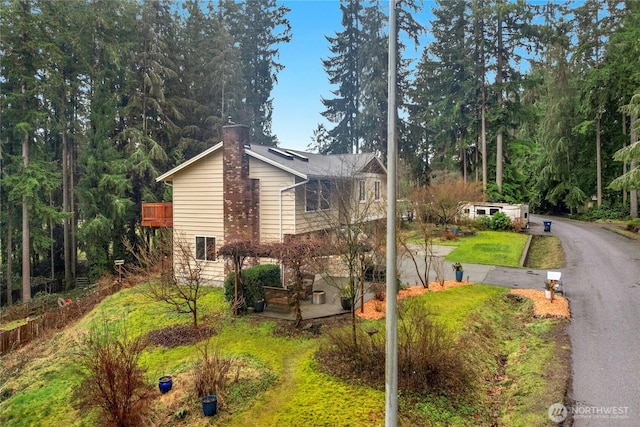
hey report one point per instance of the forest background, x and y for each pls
(538, 102)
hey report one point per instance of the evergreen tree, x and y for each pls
(24, 117)
(372, 119)
(258, 27)
(103, 184)
(442, 95)
(343, 69)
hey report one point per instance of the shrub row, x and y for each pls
(252, 281)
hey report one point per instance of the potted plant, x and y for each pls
(347, 295)
(209, 405)
(165, 383)
(459, 270)
(258, 305)
(549, 286)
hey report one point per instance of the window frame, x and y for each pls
(377, 190)
(317, 195)
(206, 250)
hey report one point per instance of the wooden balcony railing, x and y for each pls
(157, 214)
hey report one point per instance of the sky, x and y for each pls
(297, 104)
(297, 96)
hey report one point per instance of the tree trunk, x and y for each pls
(484, 144)
(499, 136)
(633, 195)
(624, 164)
(26, 264)
(9, 257)
(598, 162)
(66, 208)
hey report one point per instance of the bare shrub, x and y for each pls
(430, 360)
(429, 357)
(379, 291)
(518, 224)
(211, 374)
(437, 262)
(448, 235)
(352, 361)
(112, 377)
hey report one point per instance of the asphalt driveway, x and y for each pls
(602, 282)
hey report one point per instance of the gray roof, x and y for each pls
(314, 165)
(300, 163)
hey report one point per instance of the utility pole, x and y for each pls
(391, 360)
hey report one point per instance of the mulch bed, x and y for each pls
(174, 336)
(542, 307)
(375, 309)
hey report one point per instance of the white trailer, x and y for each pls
(514, 211)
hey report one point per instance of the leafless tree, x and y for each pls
(350, 213)
(180, 279)
(299, 255)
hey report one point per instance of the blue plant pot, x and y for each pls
(258, 306)
(459, 274)
(165, 383)
(209, 405)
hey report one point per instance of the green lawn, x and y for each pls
(490, 248)
(279, 383)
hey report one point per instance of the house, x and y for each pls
(517, 212)
(241, 191)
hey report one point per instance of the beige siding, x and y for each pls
(272, 181)
(372, 209)
(313, 221)
(198, 209)
(359, 212)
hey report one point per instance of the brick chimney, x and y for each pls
(241, 194)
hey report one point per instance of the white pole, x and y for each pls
(391, 363)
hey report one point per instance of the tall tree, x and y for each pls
(442, 94)
(343, 69)
(258, 29)
(103, 185)
(594, 21)
(22, 67)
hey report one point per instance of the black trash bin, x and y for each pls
(547, 226)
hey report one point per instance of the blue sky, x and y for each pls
(297, 96)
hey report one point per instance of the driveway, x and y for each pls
(602, 282)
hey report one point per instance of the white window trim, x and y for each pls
(215, 242)
(318, 183)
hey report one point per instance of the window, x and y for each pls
(376, 190)
(493, 211)
(311, 196)
(467, 211)
(325, 194)
(481, 212)
(361, 192)
(205, 248)
(317, 195)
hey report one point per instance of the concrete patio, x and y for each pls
(406, 269)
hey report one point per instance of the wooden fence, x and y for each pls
(55, 318)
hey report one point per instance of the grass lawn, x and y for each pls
(490, 248)
(279, 382)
